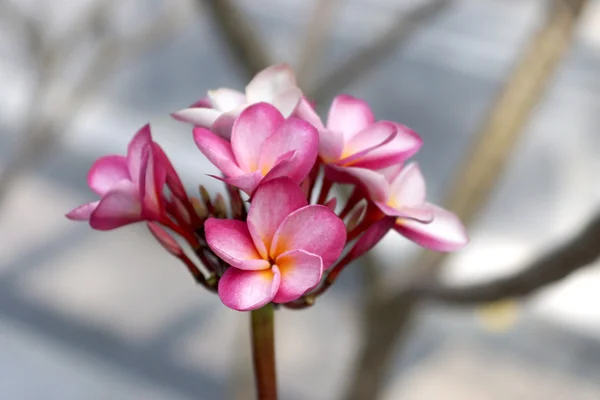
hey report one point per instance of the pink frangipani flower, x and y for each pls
(352, 137)
(130, 186)
(275, 85)
(263, 146)
(401, 194)
(280, 252)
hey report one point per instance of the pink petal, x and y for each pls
(331, 145)
(106, 172)
(83, 212)
(197, 116)
(248, 290)
(391, 172)
(258, 242)
(284, 167)
(225, 99)
(294, 135)
(366, 141)
(173, 180)
(246, 183)
(300, 272)
(271, 82)
(202, 103)
(404, 145)
(444, 233)
(135, 151)
(250, 131)
(315, 229)
(120, 206)
(152, 182)
(307, 112)
(217, 150)
(286, 102)
(230, 240)
(349, 115)
(408, 188)
(372, 182)
(421, 213)
(372, 236)
(271, 203)
(224, 124)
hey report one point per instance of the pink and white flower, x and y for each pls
(264, 145)
(401, 194)
(280, 253)
(275, 85)
(130, 187)
(352, 137)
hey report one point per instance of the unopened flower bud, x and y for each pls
(220, 207)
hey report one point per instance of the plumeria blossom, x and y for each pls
(264, 145)
(352, 137)
(130, 186)
(401, 194)
(275, 85)
(280, 252)
(283, 243)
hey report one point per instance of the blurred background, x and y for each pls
(506, 95)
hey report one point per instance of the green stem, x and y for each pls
(263, 352)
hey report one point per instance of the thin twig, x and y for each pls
(492, 149)
(315, 41)
(244, 43)
(43, 131)
(373, 54)
(93, 25)
(29, 28)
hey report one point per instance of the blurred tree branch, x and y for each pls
(373, 54)
(250, 53)
(387, 320)
(579, 251)
(317, 32)
(492, 148)
(43, 128)
(244, 43)
(27, 26)
(93, 25)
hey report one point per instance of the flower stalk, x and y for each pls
(263, 352)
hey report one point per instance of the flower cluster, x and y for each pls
(275, 154)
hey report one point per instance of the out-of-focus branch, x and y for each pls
(574, 254)
(245, 45)
(43, 129)
(117, 50)
(475, 181)
(373, 54)
(26, 24)
(39, 46)
(488, 157)
(92, 25)
(316, 38)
